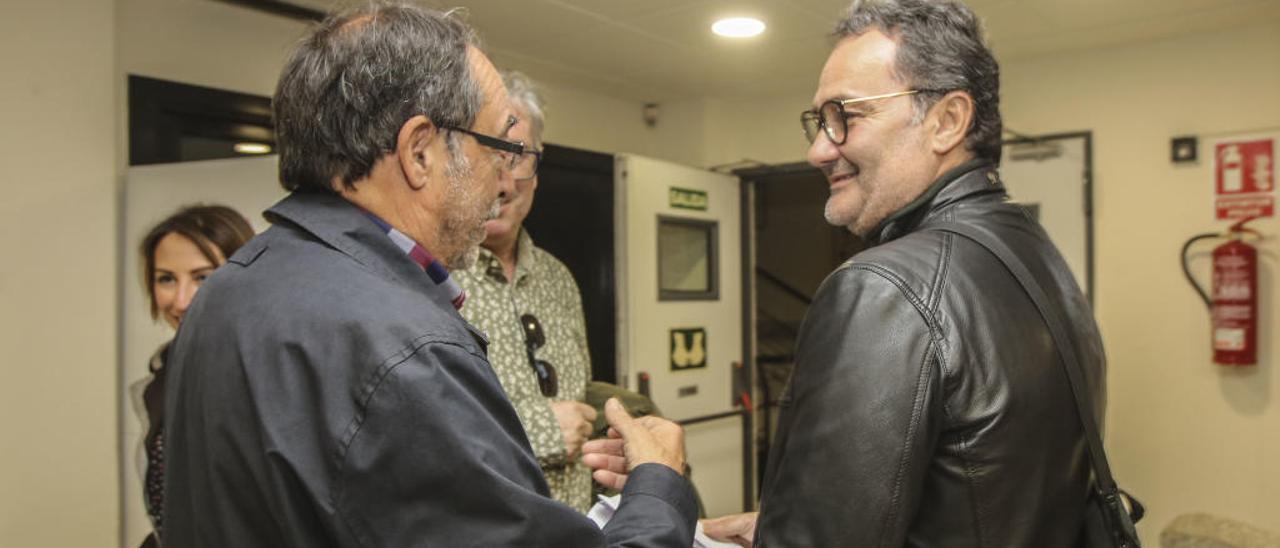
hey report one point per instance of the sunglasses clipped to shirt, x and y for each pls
(535, 338)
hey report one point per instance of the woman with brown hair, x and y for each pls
(177, 255)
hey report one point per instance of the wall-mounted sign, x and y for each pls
(687, 198)
(1244, 179)
(688, 348)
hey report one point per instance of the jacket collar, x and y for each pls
(346, 228)
(968, 179)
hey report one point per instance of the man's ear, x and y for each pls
(953, 115)
(413, 150)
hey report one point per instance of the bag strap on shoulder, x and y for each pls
(1066, 351)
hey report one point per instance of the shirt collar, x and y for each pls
(434, 268)
(525, 258)
(524, 251)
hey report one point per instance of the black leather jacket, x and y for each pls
(928, 407)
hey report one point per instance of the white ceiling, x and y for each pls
(663, 50)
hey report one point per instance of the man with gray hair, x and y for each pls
(324, 390)
(928, 406)
(528, 304)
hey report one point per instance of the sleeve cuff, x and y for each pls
(661, 482)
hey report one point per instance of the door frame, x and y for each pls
(1087, 136)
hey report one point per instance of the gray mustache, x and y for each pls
(832, 168)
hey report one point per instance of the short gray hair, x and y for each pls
(524, 95)
(940, 48)
(350, 85)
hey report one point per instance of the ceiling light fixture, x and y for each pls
(252, 148)
(738, 27)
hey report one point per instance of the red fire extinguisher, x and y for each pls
(1234, 304)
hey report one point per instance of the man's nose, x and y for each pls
(506, 182)
(822, 151)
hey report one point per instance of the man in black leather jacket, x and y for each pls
(324, 391)
(927, 407)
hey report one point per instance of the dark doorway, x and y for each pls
(572, 218)
(795, 249)
(174, 122)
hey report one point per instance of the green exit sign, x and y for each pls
(687, 198)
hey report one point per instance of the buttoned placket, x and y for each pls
(511, 293)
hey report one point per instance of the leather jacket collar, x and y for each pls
(973, 177)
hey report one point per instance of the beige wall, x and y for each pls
(191, 41)
(204, 43)
(1185, 434)
(594, 122)
(57, 145)
(765, 130)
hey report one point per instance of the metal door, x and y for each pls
(680, 309)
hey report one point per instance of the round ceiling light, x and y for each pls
(738, 27)
(252, 148)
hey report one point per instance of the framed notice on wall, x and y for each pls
(1244, 177)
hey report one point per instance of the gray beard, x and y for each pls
(462, 227)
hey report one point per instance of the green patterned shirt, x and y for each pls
(545, 288)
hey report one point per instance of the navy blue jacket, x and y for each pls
(323, 392)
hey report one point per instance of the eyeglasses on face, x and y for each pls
(527, 166)
(832, 118)
(511, 153)
(535, 338)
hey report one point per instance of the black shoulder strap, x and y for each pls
(1066, 351)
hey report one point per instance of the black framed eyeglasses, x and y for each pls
(512, 152)
(832, 118)
(527, 166)
(535, 338)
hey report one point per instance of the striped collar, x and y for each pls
(434, 268)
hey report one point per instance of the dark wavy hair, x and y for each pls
(351, 84)
(210, 227)
(940, 47)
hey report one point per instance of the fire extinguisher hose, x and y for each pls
(1186, 271)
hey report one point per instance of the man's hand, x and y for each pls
(736, 528)
(575, 420)
(633, 442)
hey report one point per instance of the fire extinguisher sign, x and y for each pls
(1244, 178)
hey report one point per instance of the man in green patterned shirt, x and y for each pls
(526, 301)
